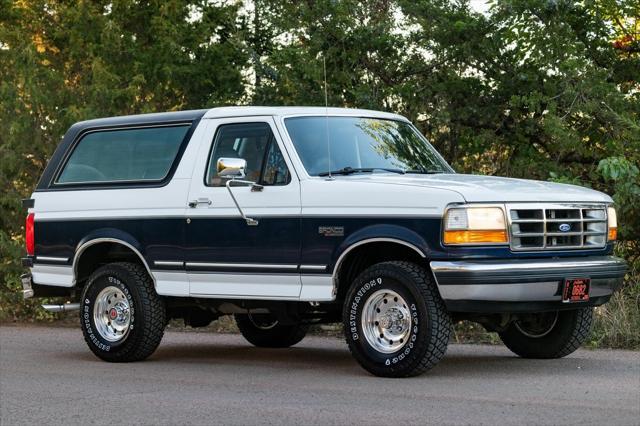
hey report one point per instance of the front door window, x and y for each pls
(253, 142)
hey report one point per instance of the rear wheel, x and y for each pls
(548, 334)
(395, 322)
(265, 331)
(121, 315)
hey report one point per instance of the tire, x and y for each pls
(264, 331)
(400, 301)
(548, 335)
(122, 317)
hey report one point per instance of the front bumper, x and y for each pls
(531, 285)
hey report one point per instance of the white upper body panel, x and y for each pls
(358, 194)
(413, 191)
(354, 196)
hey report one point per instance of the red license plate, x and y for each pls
(576, 290)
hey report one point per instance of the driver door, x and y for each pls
(226, 256)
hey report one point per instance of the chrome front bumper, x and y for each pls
(516, 285)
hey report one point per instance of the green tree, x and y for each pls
(66, 61)
(544, 89)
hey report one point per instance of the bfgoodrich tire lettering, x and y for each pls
(146, 317)
(429, 323)
(570, 330)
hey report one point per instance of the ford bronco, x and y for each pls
(289, 217)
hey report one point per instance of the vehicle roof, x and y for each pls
(231, 111)
(242, 111)
(176, 116)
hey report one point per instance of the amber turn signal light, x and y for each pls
(475, 237)
(612, 222)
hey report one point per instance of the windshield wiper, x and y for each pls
(425, 172)
(351, 170)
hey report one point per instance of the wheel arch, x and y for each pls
(373, 244)
(115, 244)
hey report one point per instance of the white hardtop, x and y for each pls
(247, 111)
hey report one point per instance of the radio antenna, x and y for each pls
(326, 112)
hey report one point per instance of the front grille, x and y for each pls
(557, 226)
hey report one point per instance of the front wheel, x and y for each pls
(265, 331)
(121, 315)
(395, 322)
(548, 334)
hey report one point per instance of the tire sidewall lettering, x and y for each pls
(354, 329)
(88, 304)
(354, 311)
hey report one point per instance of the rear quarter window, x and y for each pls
(123, 155)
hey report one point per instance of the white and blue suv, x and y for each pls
(294, 216)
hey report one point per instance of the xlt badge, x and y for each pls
(331, 231)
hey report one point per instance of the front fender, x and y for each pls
(380, 233)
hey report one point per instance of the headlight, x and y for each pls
(475, 225)
(612, 220)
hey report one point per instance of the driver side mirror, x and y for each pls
(234, 171)
(231, 168)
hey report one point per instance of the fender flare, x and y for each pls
(108, 235)
(379, 233)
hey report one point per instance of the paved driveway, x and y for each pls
(48, 376)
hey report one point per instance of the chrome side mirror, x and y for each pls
(231, 168)
(234, 171)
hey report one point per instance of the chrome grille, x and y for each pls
(557, 226)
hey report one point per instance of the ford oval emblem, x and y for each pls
(564, 227)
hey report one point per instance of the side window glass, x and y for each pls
(144, 154)
(276, 171)
(254, 143)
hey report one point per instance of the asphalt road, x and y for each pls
(48, 376)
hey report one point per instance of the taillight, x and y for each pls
(29, 237)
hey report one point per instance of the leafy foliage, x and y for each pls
(62, 62)
(543, 89)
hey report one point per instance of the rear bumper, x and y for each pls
(531, 285)
(31, 289)
(27, 286)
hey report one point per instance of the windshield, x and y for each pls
(362, 145)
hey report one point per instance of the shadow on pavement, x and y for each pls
(459, 361)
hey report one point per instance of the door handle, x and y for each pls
(194, 203)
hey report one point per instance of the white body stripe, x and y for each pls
(317, 288)
(170, 283)
(246, 286)
(59, 276)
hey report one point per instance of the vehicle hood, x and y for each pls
(486, 189)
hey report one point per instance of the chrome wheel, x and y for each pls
(537, 325)
(112, 314)
(386, 321)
